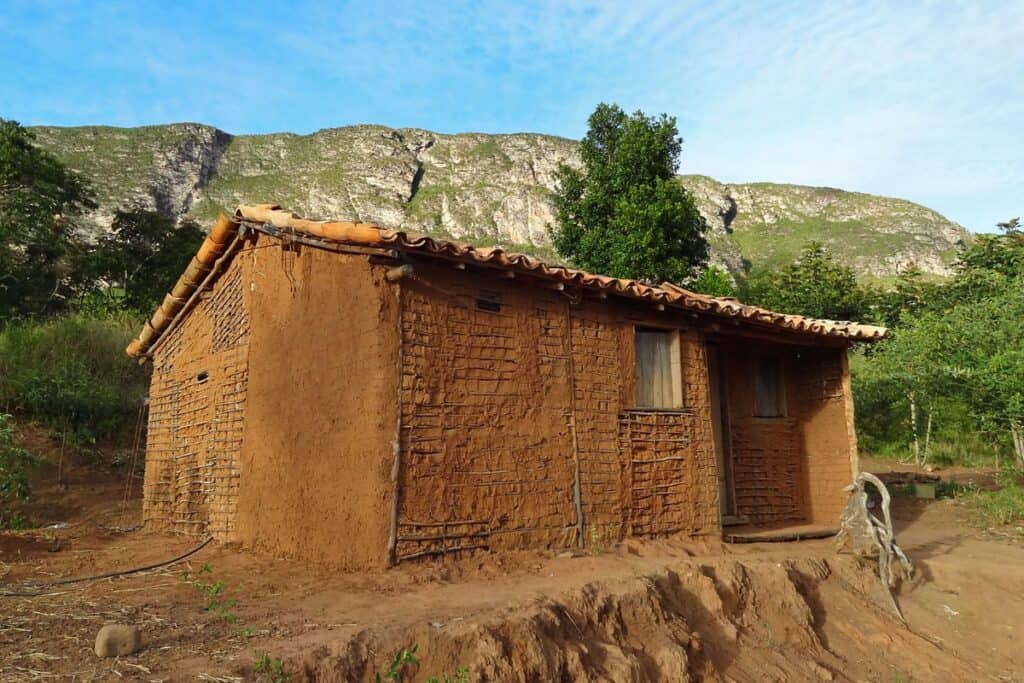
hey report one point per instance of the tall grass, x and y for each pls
(72, 375)
(1002, 507)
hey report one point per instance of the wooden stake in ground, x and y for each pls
(60, 461)
(869, 536)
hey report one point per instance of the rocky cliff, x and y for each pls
(489, 189)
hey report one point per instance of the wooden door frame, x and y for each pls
(721, 430)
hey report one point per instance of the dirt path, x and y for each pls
(653, 610)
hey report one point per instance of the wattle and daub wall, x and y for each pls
(512, 407)
(197, 403)
(281, 440)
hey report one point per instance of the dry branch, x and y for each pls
(869, 536)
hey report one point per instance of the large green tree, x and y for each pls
(624, 213)
(142, 256)
(909, 296)
(40, 201)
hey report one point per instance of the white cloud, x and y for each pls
(918, 100)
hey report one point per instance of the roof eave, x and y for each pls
(225, 229)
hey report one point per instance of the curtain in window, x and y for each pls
(654, 376)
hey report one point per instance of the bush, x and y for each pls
(15, 465)
(71, 373)
(998, 508)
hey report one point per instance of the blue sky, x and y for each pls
(917, 100)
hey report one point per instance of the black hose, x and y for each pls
(33, 589)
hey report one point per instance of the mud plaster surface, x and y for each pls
(197, 414)
(321, 417)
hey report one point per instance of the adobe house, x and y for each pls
(356, 396)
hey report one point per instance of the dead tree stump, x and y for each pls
(868, 536)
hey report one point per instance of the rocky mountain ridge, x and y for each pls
(487, 189)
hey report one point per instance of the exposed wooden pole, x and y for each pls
(577, 485)
(396, 465)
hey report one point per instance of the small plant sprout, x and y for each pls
(403, 658)
(270, 669)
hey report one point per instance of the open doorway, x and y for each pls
(721, 431)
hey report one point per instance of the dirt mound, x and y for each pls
(756, 619)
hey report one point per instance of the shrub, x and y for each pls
(71, 373)
(998, 508)
(270, 668)
(15, 465)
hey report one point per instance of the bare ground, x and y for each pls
(644, 610)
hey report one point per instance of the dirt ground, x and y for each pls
(643, 610)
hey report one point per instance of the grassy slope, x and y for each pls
(467, 179)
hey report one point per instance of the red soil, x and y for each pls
(643, 610)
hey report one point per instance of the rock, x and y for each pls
(488, 188)
(696, 646)
(116, 640)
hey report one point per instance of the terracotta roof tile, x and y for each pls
(218, 244)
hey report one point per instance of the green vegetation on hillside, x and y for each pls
(40, 248)
(16, 465)
(474, 186)
(69, 307)
(814, 285)
(70, 373)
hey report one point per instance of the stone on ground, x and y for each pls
(116, 640)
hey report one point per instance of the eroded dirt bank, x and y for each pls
(746, 619)
(658, 610)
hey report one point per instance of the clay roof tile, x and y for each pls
(218, 245)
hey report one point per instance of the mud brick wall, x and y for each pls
(196, 416)
(791, 469)
(768, 470)
(486, 440)
(601, 354)
(504, 385)
(822, 378)
(671, 481)
(670, 471)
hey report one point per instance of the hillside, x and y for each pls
(490, 189)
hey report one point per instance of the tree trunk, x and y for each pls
(927, 437)
(1017, 431)
(913, 427)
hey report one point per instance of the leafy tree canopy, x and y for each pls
(142, 256)
(40, 199)
(814, 285)
(960, 342)
(910, 295)
(713, 281)
(624, 213)
(986, 267)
